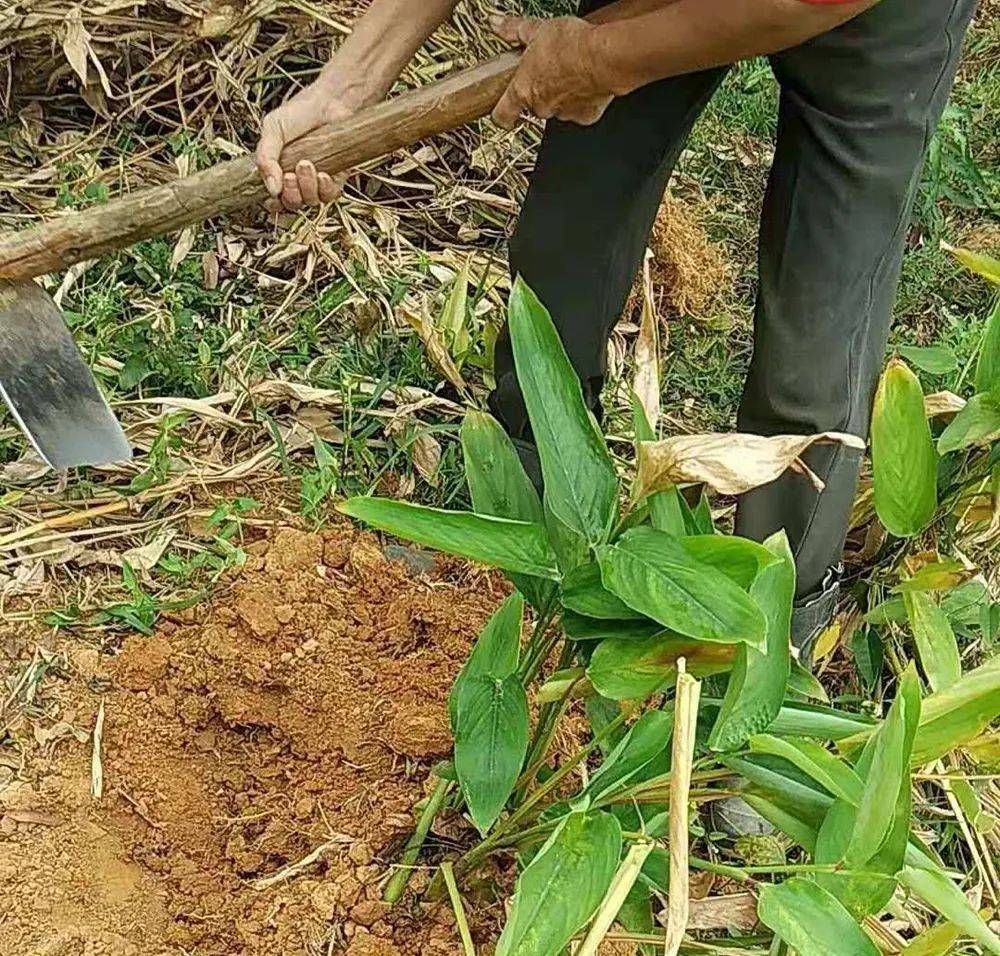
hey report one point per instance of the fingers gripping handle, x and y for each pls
(370, 133)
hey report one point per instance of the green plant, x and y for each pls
(950, 482)
(628, 600)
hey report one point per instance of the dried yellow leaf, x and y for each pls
(729, 463)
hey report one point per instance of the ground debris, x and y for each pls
(287, 729)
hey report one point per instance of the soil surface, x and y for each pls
(291, 720)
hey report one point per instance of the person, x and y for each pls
(863, 85)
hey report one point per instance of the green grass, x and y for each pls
(152, 329)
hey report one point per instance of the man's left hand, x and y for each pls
(555, 77)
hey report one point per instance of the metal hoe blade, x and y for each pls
(48, 386)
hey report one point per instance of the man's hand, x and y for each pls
(554, 78)
(314, 106)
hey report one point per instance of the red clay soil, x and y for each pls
(295, 716)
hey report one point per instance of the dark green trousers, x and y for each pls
(858, 108)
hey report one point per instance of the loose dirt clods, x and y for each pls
(292, 720)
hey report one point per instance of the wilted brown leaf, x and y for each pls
(729, 463)
(646, 383)
(145, 557)
(184, 244)
(738, 910)
(76, 43)
(940, 404)
(437, 352)
(426, 453)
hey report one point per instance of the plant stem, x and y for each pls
(548, 720)
(682, 760)
(742, 874)
(539, 647)
(504, 827)
(396, 886)
(448, 872)
(621, 885)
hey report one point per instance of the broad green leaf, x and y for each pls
(666, 507)
(776, 780)
(601, 712)
(496, 651)
(500, 487)
(580, 628)
(935, 640)
(633, 668)
(656, 870)
(563, 886)
(644, 753)
(961, 605)
(935, 889)
(940, 575)
(904, 462)
(959, 713)
(757, 684)
(978, 423)
(491, 740)
(739, 559)
(811, 921)
(823, 723)
(972, 806)
(652, 573)
(888, 771)
(666, 511)
(497, 481)
(939, 940)
(581, 488)
(571, 549)
(509, 545)
(846, 836)
(830, 772)
(933, 359)
(699, 519)
(803, 681)
(890, 611)
(986, 265)
(796, 829)
(866, 645)
(988, 366)
(583, 592)
(636, 915)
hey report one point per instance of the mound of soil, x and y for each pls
(261, 759)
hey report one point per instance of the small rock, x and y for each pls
(324, 900)
(416, 560)
(348, 890)
(364, 944)
(360, 854)
(368, 912)
(86, 660)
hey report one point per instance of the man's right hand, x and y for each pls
(316, 105)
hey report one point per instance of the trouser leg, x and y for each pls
(858, 108)
(585, 222)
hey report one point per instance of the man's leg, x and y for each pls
(858, 108)
(585, 222)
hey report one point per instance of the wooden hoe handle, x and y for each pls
(370, 133)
